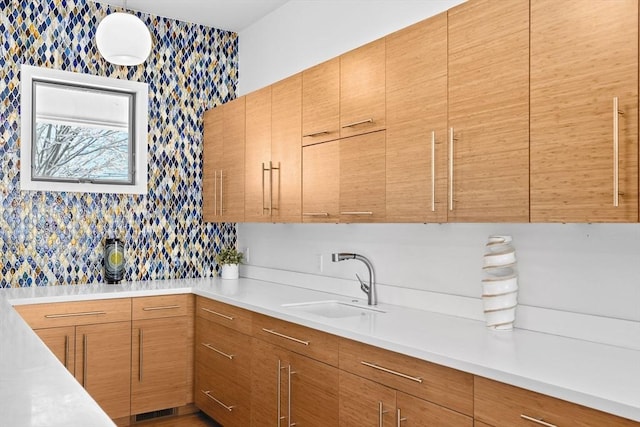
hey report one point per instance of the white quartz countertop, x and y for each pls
(36, 390)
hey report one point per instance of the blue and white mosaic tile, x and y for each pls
(51, 238)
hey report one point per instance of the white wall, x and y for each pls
(586, 271)
(303, 33)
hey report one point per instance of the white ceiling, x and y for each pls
(234, 15)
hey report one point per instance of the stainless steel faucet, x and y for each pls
(369, 289)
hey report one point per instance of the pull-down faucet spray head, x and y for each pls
(369, 289)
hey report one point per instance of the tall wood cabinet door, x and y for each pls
(61, 341)
(232, 178)
(211, 163)
(488, 104)
(269, 384)
(285, 198)
(584, 55)
(413, 412)
(362, 89)
(362, 178)
(321, 102)
(312, 392)
(416, 94)
(365, 403)
(321, 182)
(159, 364)
(257, 156)
(103, 365)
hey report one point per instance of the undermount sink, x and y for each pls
(334, 309)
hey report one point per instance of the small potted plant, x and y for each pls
(229, 258)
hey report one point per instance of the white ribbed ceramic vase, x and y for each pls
(500, 283)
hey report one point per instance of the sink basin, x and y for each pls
(334, 309)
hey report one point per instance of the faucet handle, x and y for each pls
(363, 286)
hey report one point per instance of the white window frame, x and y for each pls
(141, 112)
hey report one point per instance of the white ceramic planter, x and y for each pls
(230, 271)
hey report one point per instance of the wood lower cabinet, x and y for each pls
(224, 162)
(584, 150)
(292, 389)
(162, 353)
(488, 111)
(93, 340)
(416, 101)
(502, 405)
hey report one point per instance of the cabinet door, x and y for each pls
(159, 364)
(321, 102)
(312, 392)
(362, 178)
(416, 94)
(258, 156)
(584, 54)
(412, 412)
(362, 90)
(321, 182)
(232, 177)
(103, 365)
(365, 403)
(488, 75)
(269, 385)
(61, 341)
(211, 163)
(285, 198)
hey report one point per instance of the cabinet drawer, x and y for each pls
(90, 312)
(438, 384)
(224, 314)
(225, 401)
(499, 404)
(161, 306)
(223, 350)
(300, 339)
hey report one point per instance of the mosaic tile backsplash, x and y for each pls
(51, 238)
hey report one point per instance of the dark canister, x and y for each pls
(113, 260)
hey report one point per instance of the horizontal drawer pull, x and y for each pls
(357, 213)
(83, 313)
(537, 421)
(322, 132)
(164, 307)
(390, 371)
(361, 122)
(315, 214)
(222, 353)
(271, 331)
(208, 394)
(216, 313)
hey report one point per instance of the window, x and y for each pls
(82, 133)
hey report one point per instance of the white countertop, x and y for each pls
(36, 390)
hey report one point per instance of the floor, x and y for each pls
(192, 420)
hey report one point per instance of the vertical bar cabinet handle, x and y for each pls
(616, 146)
(433, 171)
(451, 168)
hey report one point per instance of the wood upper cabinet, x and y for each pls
(502, 405)
(416, 117)
(321, 182)
(223, 162)
(362, 178)
(286, 152)
(258, 156)
(321, 102)
(273, 187)
(488, 111)
(162, 352)
(362, 89)
(584, 151)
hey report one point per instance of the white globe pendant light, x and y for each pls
(123, 39)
